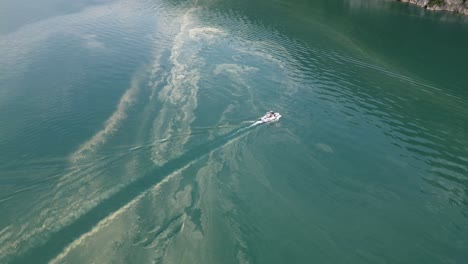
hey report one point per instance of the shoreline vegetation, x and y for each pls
(457, 6)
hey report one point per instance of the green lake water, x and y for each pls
(127, 134)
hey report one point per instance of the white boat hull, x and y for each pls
(268, 119)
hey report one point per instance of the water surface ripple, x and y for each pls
(126, 133)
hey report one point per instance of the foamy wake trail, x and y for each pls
(87, 186)
(111, 124)
(82, 187)
(179, 96)
(178, 101)
(255, 123)
(155, 223)
(114, 216)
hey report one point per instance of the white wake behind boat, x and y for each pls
(269, 117)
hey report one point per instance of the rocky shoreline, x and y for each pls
(458, 6)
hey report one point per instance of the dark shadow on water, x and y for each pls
(59, 240)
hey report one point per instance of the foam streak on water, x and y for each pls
(128, 134)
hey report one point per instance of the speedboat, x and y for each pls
(269, 117)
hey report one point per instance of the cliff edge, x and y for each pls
(458, 6)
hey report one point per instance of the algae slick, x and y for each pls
(127, 136)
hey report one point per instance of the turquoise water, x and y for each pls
(126, 132)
